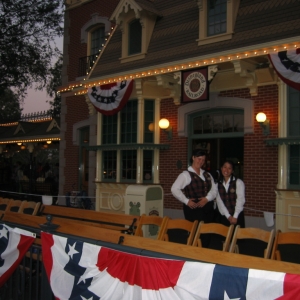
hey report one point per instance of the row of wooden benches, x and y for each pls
(82, 219)
(86, 230)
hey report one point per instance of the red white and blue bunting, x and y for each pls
(287, 66)
(109, 99)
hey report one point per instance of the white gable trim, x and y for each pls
(18, 129)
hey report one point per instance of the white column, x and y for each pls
(282, 132)
(156, 140)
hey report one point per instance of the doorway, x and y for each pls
(220, 149)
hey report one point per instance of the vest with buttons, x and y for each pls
(198, 188)
(229, 197)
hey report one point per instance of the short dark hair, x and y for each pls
(198, 152)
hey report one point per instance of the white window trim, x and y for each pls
(95, 21)
(147, 22)
(232, 10)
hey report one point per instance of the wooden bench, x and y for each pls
(93, 218)
(71, 227)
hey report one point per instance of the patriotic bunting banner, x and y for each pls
(14, 243)
(108, 99)
(78, 270)
(287, 66)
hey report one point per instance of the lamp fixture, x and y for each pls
(164, 124)
(19, 143)
(49, 142)
(261, 118)
(23, 147)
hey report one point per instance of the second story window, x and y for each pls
(97, 40)
(216, 17)
(134, 37)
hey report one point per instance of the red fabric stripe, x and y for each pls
(291, 287)
(47, 243)
(23, 246)
(148, 273)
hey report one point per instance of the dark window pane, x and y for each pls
(135, 37)
(109, 165)
(207, 124)
(218, 123)
(197, 125)
(129, 123)
(149, 121)
(110, 129)
(148, 166)
(238, 123)
(294, 164)
(97, 40)
(216, 17)
(128, 165)
(293, 112)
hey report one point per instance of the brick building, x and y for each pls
(158, 44)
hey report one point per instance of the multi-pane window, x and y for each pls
(134, 37)
(219, 122)
(294, 131)
(97, 40)
(120, 163)
(216, 17)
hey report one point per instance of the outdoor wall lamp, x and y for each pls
(49, 142)
(164, 124)
(261, 118)
(19, 144)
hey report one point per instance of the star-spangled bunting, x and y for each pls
(14, 243)
(287, 66)
(79, 270)
(110, 98)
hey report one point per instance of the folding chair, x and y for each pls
(253, 234)
(288, 242)
(188, 226)
(150, 221)
(30, 208)
(4, 204)
(15, 205)
(214, 228)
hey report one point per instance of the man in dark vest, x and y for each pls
(196, 189)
